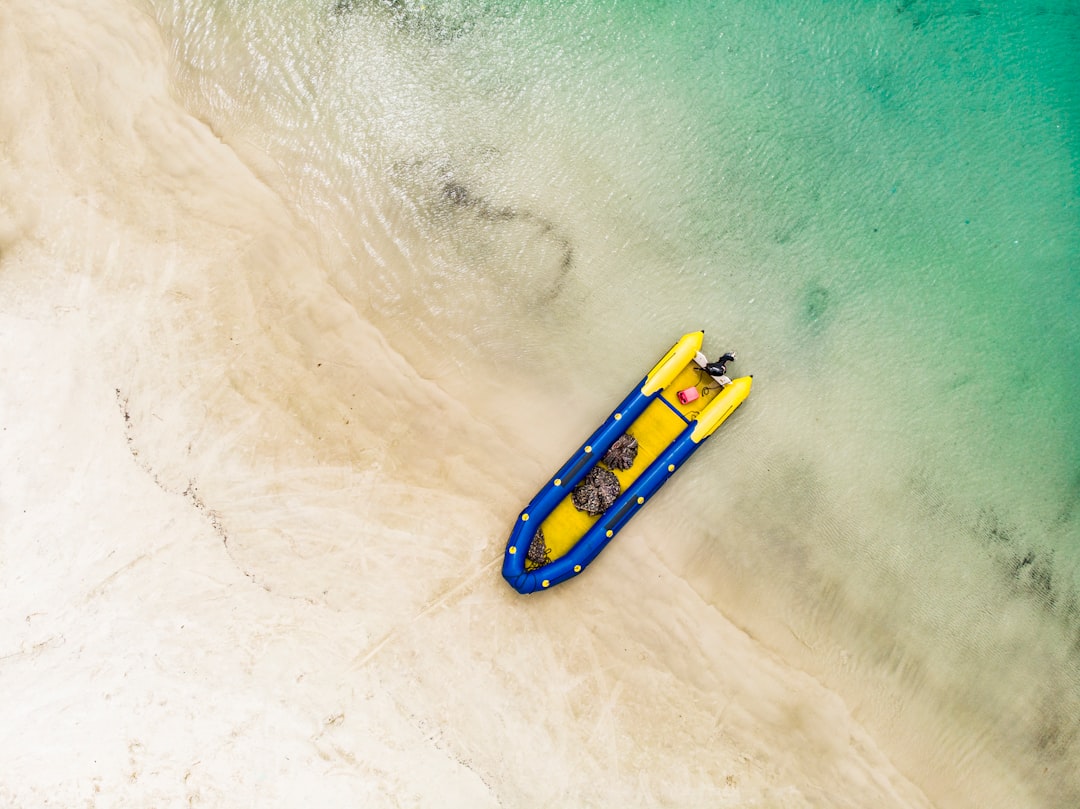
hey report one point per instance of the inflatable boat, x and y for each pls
(652, 432)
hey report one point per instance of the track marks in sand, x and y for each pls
(448, 595)
(190, 493)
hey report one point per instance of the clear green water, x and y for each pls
(875, 203)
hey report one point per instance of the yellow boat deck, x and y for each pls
(660, 424)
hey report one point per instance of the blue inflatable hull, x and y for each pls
(687, 430)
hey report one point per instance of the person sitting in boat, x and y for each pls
(719, 368)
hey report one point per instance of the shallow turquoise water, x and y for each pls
(877, 205)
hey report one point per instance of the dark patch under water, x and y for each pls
(444, 22)
(817, 306)
(435, 185)
(1030, 568)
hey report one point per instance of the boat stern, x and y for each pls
(721, 407)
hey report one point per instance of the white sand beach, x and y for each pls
(250, 538)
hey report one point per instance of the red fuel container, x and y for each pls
(688, 395)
